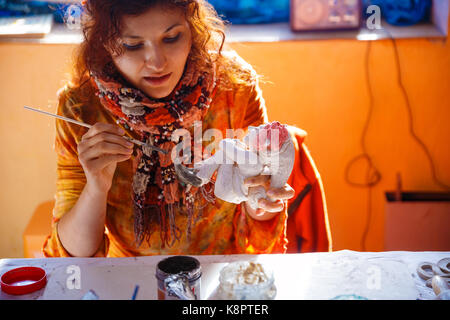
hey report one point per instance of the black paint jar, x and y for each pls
(178, 278)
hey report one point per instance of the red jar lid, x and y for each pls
(23, 280)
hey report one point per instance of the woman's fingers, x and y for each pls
(277, 196)
(105, 148)
(106, 136)
(99, 151)
(103, 139)
(270, 206)
(103, 127)
(264, 215)
(100, 163)
(106, 142)
(284, 193)
(263, 180)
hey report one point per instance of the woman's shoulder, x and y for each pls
(235, 61)
(234, 72)
(78, 102)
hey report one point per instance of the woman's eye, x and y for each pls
(132, 47)
(139, 46)
(172, 39)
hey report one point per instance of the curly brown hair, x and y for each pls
(102, 22)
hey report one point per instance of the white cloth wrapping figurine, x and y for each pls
(267, 150)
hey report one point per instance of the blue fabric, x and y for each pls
(252, 11)
(22, 8)
(234, 11)
(11, 8)
(402, 12)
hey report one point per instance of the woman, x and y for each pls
(146, 69)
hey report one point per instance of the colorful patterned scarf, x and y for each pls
(156, 188)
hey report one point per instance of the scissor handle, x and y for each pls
(444, 265)
(427, 270)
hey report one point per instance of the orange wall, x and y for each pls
(318, 86)
(30, 75)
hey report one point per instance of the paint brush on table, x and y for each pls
(140, 143)
(135, 292)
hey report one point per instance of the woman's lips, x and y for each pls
(157, 81)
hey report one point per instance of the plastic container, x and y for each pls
(246, 280)
(23, 280)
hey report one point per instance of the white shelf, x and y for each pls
(274, 32)
(266, 33)
(282, 32)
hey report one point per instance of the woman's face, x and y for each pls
(156, 46)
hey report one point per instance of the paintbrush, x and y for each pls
(140, 143)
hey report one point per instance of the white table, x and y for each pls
(373, 275)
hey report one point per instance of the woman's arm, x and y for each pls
(261, 230)
(81, 229)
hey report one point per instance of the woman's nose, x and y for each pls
(155, 59)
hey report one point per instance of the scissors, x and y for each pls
(427, 270)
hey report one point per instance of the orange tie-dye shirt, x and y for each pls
(222, 228)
